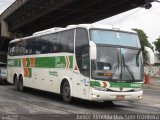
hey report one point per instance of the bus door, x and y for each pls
(82, 62)
(81, 74)
(85, 72)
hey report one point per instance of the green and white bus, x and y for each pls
(87, 61)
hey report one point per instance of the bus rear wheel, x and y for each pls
(66, 92)
(16, 83)
(21, 87)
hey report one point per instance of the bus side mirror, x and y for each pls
(93, 50)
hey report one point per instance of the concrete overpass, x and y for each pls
(24, 17)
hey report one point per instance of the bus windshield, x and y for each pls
(114, 38)
(119, 56)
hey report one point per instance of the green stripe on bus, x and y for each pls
(117, 85)
(126, 85)
(29, 72)
(28, 62)
(43, 62)
(95, 83)
(14, 62)
(50, 62)
(71, 61)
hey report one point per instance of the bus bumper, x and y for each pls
(97, 95)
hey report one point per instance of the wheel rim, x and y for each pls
(66, 93)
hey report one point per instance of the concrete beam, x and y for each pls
(11, 9)
(37, 13)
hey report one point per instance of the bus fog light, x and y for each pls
(95, 95)
(139, 96)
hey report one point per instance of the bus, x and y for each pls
(86, 61)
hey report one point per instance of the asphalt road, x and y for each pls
(34, 104)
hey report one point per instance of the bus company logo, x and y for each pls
(59, 63)
(136, 85)
(62, 62)
(57, 60)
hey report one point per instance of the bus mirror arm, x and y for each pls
(93, 50)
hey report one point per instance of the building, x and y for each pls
(157, 58)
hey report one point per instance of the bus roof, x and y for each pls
(87, 26)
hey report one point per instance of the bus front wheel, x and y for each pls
(66, 92)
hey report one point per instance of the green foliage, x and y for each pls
(157, 44)
(144, 42)
(143, 38)
(145, 57)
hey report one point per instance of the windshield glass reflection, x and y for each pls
(117, 63)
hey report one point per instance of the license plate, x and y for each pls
(120, 97)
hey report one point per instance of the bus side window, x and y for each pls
(45, 44)
(28, 49)
(55, 40)
(64, 38)
(30, 46)
(71, 40)
(67, 41)
(16, 49)
(11, 50)
(21, 49)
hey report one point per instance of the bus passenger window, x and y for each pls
(21, 49)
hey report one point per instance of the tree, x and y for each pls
(144, 42)
(157, 44)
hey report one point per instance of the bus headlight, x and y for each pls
(137, 89)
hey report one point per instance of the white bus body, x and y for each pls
(62, 61)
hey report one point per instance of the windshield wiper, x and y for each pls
(125, 65)
(117, 66)
(137, 56)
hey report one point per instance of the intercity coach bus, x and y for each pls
(86, 61)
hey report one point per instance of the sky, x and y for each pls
(5, 4)
(146, 19)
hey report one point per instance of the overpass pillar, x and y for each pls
(4, 30)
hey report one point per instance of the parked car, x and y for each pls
(3, 73)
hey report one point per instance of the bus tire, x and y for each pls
(16, 84)
(21, 87)
(66, 94)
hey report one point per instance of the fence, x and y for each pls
(152, 71)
